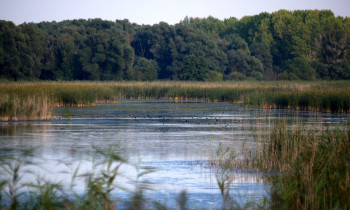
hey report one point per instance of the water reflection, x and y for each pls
(176, 138)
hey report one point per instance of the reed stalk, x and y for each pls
(305, 169)
(34, 100)
(308, 170)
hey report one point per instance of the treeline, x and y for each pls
(295, 45)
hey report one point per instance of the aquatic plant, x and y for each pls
(100, 185)
(13, 108)
(33, 101)
(12, 171)
(308, 170)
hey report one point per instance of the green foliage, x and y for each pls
(103, 50)
(235, 76)
(298, 69)
(145, 70)
(332, 61)
(194, 68)
(257, 75)
(312, 168)
(241, 61)
(263, 54)
(213, 76)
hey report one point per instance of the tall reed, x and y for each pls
(101, 182)
(32, 101)
(307, 169)
(13, 108)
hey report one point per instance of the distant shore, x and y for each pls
(35, 100)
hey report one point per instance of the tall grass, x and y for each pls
(31, 101)
(14, 107)
(34, 101)
(308, 170)
(101, 181)
(99, 190)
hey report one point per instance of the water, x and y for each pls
(174, 139)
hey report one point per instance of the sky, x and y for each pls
(154, 11)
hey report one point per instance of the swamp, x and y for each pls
(168, 145)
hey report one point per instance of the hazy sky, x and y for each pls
(154, 11)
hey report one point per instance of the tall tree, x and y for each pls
(194, 68)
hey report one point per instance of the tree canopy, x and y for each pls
(298, 45)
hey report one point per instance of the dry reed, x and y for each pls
(16, 99)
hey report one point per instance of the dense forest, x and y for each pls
(293, 45)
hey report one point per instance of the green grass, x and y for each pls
(33, 100)
(100, 184)
(308, 170)
(99, 189)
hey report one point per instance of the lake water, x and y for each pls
(175, 138)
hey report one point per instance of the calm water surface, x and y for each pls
(175, 139)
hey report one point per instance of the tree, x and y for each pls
(260, 46)
(332, 49)
(241, 61)
(298, 69)
(283, 26)
(194, 68)
(263, 54)
(145, 69)
(237, 76)
(213, 76)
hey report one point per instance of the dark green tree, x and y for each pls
(298, 69)
(194, 68)
(332, 49)
(260, 46)
(145, 70)
(241, 61)
(263, 54)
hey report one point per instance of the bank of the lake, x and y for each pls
(34, 100)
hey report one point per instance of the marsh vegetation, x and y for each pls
(306, 169)
(33, 101)
(225, 156)
(291, 136)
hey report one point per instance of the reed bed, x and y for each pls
(25, 100)
(306, 169)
